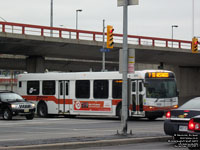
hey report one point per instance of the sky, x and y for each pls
(152, 18)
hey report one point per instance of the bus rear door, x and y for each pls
(137, 96)
(63, 97)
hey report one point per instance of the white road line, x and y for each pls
(18, 139)
(44, 122)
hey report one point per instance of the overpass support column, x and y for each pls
(35, 64)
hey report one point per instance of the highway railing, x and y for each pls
(45, 31)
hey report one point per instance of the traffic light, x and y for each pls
(194, 45)
(110, 42)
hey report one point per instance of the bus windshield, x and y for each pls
(161, 88)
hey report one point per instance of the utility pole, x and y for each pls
(125, 70)
(51, 18)
(124, 116)
(103, 53)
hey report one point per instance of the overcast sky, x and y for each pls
(150, 18)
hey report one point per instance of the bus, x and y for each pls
(150, 94)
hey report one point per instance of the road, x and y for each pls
(140, 146)
(49, 130)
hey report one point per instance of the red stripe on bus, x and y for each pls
(116, 101)
(152, 108)
(48, 98)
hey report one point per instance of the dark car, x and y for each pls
(194, 130)
(12, 104)
(177, 120)
(194, 125)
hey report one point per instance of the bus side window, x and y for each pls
(100, 88)
(33, 87)
(133, 86)
(140, 87)
(66, 89)
(20, 84)
(117, 89)
(48, 88)
(82, 89)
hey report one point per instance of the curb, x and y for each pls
(99, 143)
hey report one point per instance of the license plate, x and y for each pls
(183, 128)
(26, 110)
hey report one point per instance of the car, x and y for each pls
(194, 125)
(176, 121)
(194, 130)
(12, 104)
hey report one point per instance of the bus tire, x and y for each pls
(42, 110)
(7, 114)
(119, 111)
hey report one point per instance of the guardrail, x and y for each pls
(27, 29)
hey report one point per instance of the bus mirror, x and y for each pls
(146, 84)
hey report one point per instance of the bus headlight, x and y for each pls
(175, 106)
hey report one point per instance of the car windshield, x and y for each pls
(191, 104)
(161, 88)
(11, 97)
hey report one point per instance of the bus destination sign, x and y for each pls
(158, 75)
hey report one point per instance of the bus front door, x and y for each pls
(137, 96)
(63, 97)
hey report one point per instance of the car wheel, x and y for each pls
(30, 117)
(7, 115)
(42, 110)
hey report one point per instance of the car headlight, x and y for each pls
(14, 106)
(33, 105)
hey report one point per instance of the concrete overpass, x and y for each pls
(36, 44)
(31, 48)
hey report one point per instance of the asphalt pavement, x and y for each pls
(67, 133)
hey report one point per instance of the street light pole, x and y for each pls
(173, 26)
(103, 53)
(125, 71)
(51, 18)
(192, 18)
(78, 10)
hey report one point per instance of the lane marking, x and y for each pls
(18, 139)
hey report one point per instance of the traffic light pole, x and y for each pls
(124, 116)
(103, 53)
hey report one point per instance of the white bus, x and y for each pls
(151, 93)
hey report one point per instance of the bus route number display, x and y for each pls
(158, 75)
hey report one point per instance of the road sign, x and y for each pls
(104, 50)
(131, 61)
(130, 2)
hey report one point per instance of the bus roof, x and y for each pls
(82, 75)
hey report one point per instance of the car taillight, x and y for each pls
(168, 115)
(192, 125)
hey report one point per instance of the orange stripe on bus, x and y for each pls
(48, 98)
(116, 101)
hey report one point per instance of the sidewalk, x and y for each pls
(79, 142)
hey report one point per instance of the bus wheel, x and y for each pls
(119, 111)
(42, 110)
(7, 115)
